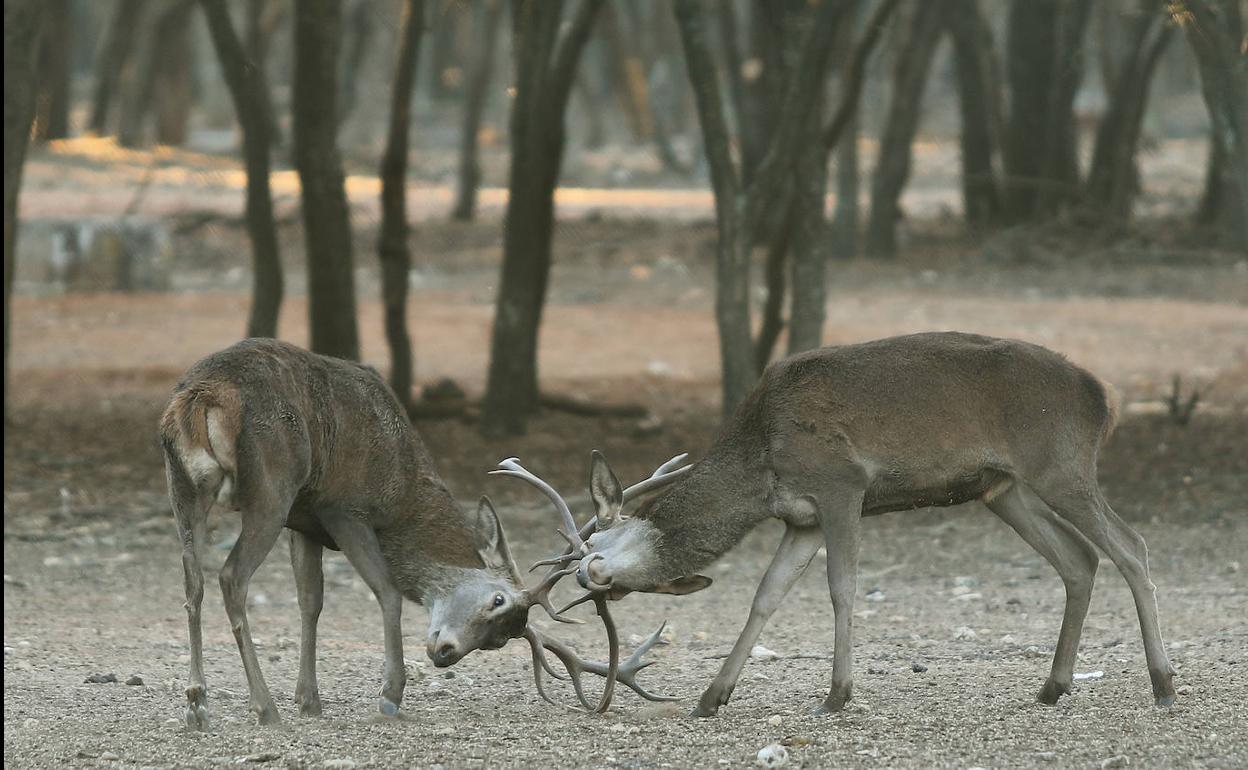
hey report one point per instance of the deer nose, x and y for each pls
(443, 652)
(593, 573)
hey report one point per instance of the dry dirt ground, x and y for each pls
(93, 575)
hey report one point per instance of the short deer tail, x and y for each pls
(199, 430)
(1113, 404)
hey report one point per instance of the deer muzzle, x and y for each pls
(592, 573)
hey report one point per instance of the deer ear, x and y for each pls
(605, 490)
(681, 586)
(492, 542)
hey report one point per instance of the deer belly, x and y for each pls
(896, 492)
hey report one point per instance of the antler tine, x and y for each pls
(664, 475)
(540, 594)
(573, 663)
(626, 675)
(512, 467)
(585, 597)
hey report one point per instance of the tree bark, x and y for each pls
(1061, 163)
(326, 217)
(485, 14)
(893, 167)
(250, 93)
(546, 58)
(264, 18)
(392, 242)
(52, 111)
(980, 196)
(1032, 46)
(359, 35)
(173, 84)
(23, 20)
(1215, 31)
(117, 49)
(1113, 175)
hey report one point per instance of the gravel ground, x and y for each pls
(957, 593)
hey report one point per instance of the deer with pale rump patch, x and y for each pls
(832, 435)
(322, 447)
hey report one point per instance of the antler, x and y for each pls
(663, 475)
(625, 673)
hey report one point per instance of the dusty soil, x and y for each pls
(93, 575)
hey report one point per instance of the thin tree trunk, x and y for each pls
(392, 242)
(249, 91)
(359, 29)
(326, 217)
(846, 216)
(1211, 198)
(172, 84)
(547, 53)
(1113, 175)
(117, 49)
(810, 236)
(1030, 63)
(264, 17)
(981, 201)
(775, 279)
(138, 77)
(52, 112)
(1061, 163)
(485, 14)
(1215, 31)
(22, 22)
(893, 167)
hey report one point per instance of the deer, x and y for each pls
(830, 436)
(322, 447)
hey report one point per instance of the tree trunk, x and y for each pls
(22, 22)
(846, 216)
(547, 53)
(981, 201)
(485, 14)
(359, 36)
(326, 217)
(893, 167)
(1215, 31)
(810, 236)
(442, 53)
(1113, 175)
(250, 93)
(1061, 166)
(1032, 47)
(173, 76)
(116, 51)
(138, 77)
(56, 48)
(392, 242)
(264, 17)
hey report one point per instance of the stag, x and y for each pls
(832, 435)
(321, 447)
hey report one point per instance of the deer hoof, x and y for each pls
(1051, 691)
(196, 715)
(266, 715)
(835, 701)
(310, 707)
(387, 707)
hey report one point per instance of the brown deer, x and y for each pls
(832, 435)
(322, 447)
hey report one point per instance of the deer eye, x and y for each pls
(499, 600)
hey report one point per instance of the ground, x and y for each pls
(93, 575)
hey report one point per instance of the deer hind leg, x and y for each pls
(359, 544)
(1085, 507)
(1075, 560)
(190, 508)
(797, 548)
(263, 519)
(840, 514)
(305, 559)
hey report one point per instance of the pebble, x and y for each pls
(875, 595)
(918, 668)
(109, 756)
(1089, 675)
(775, 720)
(965, 632)
(772, 755)
(135, 681)
(345, 763)
(100, 679)
(264, 756)
(1033, 652)
(759, 652)
(1119, 760)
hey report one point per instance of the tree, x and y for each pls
(905, 107)
(326, 218)
(392, 241)
(22, 23)
(250, 93)
(157, 78)
(972, 51)
(1215, 31)
(1113, 175)
(546, 54)
(115, 55)
(485, 14)
(52, 111)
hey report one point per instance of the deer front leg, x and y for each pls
(305, 559)
(840, 513)
(797, 548)
(359, 544)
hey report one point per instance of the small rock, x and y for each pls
(23, 644)
(772, 755)
(135, 681)
(759, 652)
(109, 756)
(775, 720)
(918, 668)
(965, 633)
(968, 597)
(1089, 675)
(1046, 756)
(444, 732)
(1033, 652)
(965, 581)
(1119, 760)
(1007, 639)
(173, 722)
(262, 757)
(345, 763)
(875, 595)
(9, 580)
(874, 670)
(100, 679)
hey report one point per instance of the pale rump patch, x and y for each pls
(200, 465)
(221, 440)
